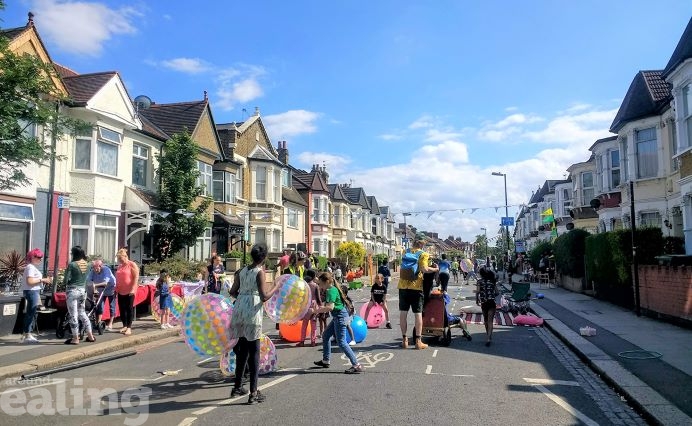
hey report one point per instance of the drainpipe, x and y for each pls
(51, 187)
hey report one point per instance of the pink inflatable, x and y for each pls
(528, 320)
(375, 316)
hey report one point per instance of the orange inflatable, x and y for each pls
(291, 332)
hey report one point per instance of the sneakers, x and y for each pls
(352, 343)
(29, 338)
(322, 364)
(356, 369)
(109, 328)
(163, 326)
(238, 392)
(389, 326)
(255, 398)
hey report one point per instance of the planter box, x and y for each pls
(9, 313)
(233, 264)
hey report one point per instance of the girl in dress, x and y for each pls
(251, 290)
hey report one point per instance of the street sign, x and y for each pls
(63, 202)
(507, 221)
(519, 246)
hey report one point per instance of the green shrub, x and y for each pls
(536, 253)
(569, 252)
(179, 268)
(674, 245)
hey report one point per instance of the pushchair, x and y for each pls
(437, 322)
(63, 327)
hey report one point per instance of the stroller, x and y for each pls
(63, 327)
(437, 322)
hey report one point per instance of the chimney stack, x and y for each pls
(283, 152)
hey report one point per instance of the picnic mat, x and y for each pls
(501, 318)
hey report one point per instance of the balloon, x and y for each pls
(267, 355)
(360, 329)
(291, 332)
(291, 301)
(226, 283)
(205, 324)
(375, 316)
(227, 363)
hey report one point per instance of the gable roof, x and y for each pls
(291, 195)
(313, 180)
(602, 140)
(12, 33)
(336, 193)
(175, 118)
(547, 187)
(83, 87)
(682, 52)
(648, 95)
(63, 71)
(357, 196)
(372, 204)
(262, 154)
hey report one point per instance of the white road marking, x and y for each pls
(51, 382)
(566, 406)
(428, 370)
(205, 360)
(133, 379)
(551, 382)
(435, 353)
(210, 408)
(187, 421)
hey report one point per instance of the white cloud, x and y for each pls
(291, 123)
(336, 165)
(83, 28)
(422, 122)
(567, 129)
(186, 65)
(389, 137)
(167, 17)
(239, 85)
(506, 128)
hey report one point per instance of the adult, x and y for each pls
(339, 274)
(486, 291)
(518, 268)
(455, 270)
(296, 265)
(101, 276)
(443, 275)
(284, 260)
(31, 289)
(337, 304)
(75, 285)
(411, 297)
(251, 290)
(126, 284)
(214, 271)
(386, 273)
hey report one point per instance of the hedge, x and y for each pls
(569, 249)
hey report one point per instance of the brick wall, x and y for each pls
(666, 290)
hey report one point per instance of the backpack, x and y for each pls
(409, 265)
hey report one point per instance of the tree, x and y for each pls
(178, 196)
(29, 115)
(351, 253)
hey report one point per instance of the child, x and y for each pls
(344, 290)
(378, 296)
(322, 317)
(455, 319)
(163, 287)
(310, 317)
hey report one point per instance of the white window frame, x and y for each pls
(256, 238)
(585, 190)
(650, 219)
(277, 186)
(202, 248)
(260, 182)
(285, 178)
(686, 118)
(206, 178)
(292, 218)
(612, 168)
(140, 153)
(99, 137)
(218, 183)
(315, 208)
(276, 240)
(91, 227)
(650, 154)
(239, 184)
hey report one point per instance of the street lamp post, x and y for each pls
(406, 246)
(504, 175)
(486, 241)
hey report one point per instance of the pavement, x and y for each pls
(646, 361)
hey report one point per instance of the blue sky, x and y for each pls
(417, 102)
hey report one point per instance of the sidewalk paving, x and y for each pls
(18, 358)
(659, 387)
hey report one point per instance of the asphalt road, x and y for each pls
(526, 377)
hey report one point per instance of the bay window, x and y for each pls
(587, 189)
(96, 233)
(224, 187)
(276, 240)
(205, 178)
(686, 141)
(647, 158)
(260, 236)
(277, 186)
(219, 186)
(292, 218)
(261, 183)
(97, 147)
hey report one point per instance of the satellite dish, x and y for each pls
(142, 102)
